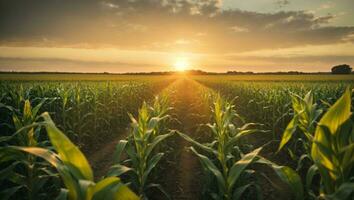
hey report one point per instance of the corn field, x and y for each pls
(177, 137)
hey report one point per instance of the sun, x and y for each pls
(181, 64)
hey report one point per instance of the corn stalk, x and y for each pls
(75, 170)
(140, 147)
(226, 162)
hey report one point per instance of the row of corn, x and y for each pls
(324, 171)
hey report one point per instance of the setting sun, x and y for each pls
(181, 65)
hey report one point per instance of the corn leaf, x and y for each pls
(344, 192)
(204, 147)
(209, 165)
(117, 170)
(68, 152)
(53, 159)
(237, 169)
(119, 149)
(151, 165)
(288, 133)
(288, 176)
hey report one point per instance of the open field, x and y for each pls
(275, 77)
(118, 77)
(204, 137)
(75, 77)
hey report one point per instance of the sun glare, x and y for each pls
(181, 64)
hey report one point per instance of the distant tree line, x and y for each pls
(341, 69)
(289, 73)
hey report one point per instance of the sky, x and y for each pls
(163, 35)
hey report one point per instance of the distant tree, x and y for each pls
(342, 69)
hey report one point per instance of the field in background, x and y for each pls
(118, 77)
(77, 77)
(92, 110)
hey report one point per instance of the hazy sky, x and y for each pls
(154, 35)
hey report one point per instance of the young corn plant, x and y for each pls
(331, 151)
(74, 169)
(22, 173)
(160, 110)
(140, 148)
(306, 114)
(224, 160)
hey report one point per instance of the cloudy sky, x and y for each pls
(157, 35)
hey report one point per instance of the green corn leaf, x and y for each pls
(288, 133)
(108, 189)
(240, 190)
(301, 160)
(231, 142)
(18, 124)
(326, 141)
(151, 165)
(124, 193)
(288, 176)
(63, 194)
(37, 107)
(119, 149)
(46, 154)
(85, 188)
(348, 156)
(117, 170)
(237, 168)
(10, 108)
(68, 152)
(311, 172)
(337, 114)
(344, 192)
(204, 147)
(156, 141)
(208, 164)
(53, 159)
(309, 98)
(153, 122)
(326, 156)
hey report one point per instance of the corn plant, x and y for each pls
(267, 101)
(331, 152)
(160, 110)
(89, 112)
(23, 173)
(306, 114)
(75, 170)
(140, 148)
(226, 162)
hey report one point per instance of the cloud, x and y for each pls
(161, 25)
(282, 3)
(326, 6)
(71, 65)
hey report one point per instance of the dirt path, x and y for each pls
(102, 159)
(184, 176)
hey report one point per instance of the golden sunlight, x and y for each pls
(181, 64)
